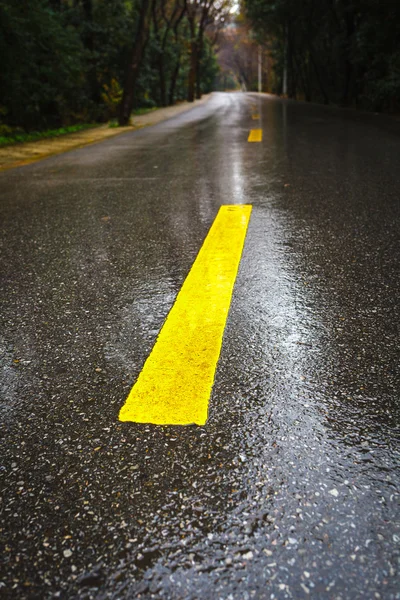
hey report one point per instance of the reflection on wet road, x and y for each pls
(291, 488)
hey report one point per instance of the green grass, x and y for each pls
(137, 112)
(18, 138)
(6, 140)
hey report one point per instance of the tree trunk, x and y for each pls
(192, 71)
(292, 75)
(285, 64)
(348, 92)
(198, 81)
(160, 57)
(175, 73)
(193, 58)
(89, 43)
(319, 79)
(174, 78)
(161, 75)
(132, 73)
(198, 64)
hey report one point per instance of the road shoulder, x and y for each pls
(18, 155)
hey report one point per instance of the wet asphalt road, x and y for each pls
(291, 489)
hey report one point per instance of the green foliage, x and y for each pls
(64, 61)
(112, 95)
(344, 52)
(40, 67)
(108, 43)
(9, 135)
(209, 68)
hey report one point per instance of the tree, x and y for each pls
(202, 15)
(167, 16)
(68, 61)
(238, 52)
(343, 52)
(136, 56)
(40, 66)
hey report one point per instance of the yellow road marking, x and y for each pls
(255, 117)
(255, 135)
(175, 384)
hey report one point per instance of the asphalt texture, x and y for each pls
(291, 488)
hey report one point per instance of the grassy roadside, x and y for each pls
(18, 138)
(24, 153)
(34, 136)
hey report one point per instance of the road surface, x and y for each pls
(290, 490)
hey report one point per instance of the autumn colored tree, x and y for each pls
(202, 15)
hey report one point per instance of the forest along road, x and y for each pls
(290, 488)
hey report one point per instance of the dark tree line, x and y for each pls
(70, 61)
(345, 52)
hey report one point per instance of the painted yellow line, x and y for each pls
(175, 384)
(255, 117)
(255, 135)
